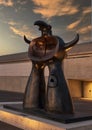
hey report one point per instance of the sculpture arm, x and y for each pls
(26, 40)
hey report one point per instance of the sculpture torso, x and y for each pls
(43, 48)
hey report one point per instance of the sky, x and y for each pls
(67, 18)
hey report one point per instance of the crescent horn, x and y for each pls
(72, 43)
(26, 40)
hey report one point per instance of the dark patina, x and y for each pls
(48, 50)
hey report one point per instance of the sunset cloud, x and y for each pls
(22, 31)
(85, 29)
(22, 2)
(74, 24)
(12, 23)
(87, 10)
(54, 8)
(6, 2)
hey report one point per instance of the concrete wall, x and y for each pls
(78, 71)
(75, 87)
(13, 83)
(87, 91)
(15, 69)
(14, 76)
(78, 68)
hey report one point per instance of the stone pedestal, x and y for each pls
(29, 122)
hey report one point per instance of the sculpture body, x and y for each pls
(48, 50)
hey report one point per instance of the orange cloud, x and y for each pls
(85, 29)
(12, 23)
(6, 3)
(87, 10)
(54, 8)
(22, 2)
(73, 25)
(22, 31)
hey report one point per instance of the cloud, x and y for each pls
(21, 2)
(73, 25)
(22, 31)
(19, 29)
(54, 8)
(87, 10)
(6, 2)
(12, 23)
(86, 29)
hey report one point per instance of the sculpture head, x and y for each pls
(47, 45)
(44, 28)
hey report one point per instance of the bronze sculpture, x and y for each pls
(48, 50)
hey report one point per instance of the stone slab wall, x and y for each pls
(14, 75)
(78, 68)
(78, 72)
(75, 87)
(13, 83)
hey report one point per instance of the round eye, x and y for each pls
(52, 82)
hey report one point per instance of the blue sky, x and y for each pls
(66, 17)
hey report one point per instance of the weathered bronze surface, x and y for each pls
(48, 50)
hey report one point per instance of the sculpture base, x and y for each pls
(68, 118)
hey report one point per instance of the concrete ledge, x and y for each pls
(27, 122)
(8, 96)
